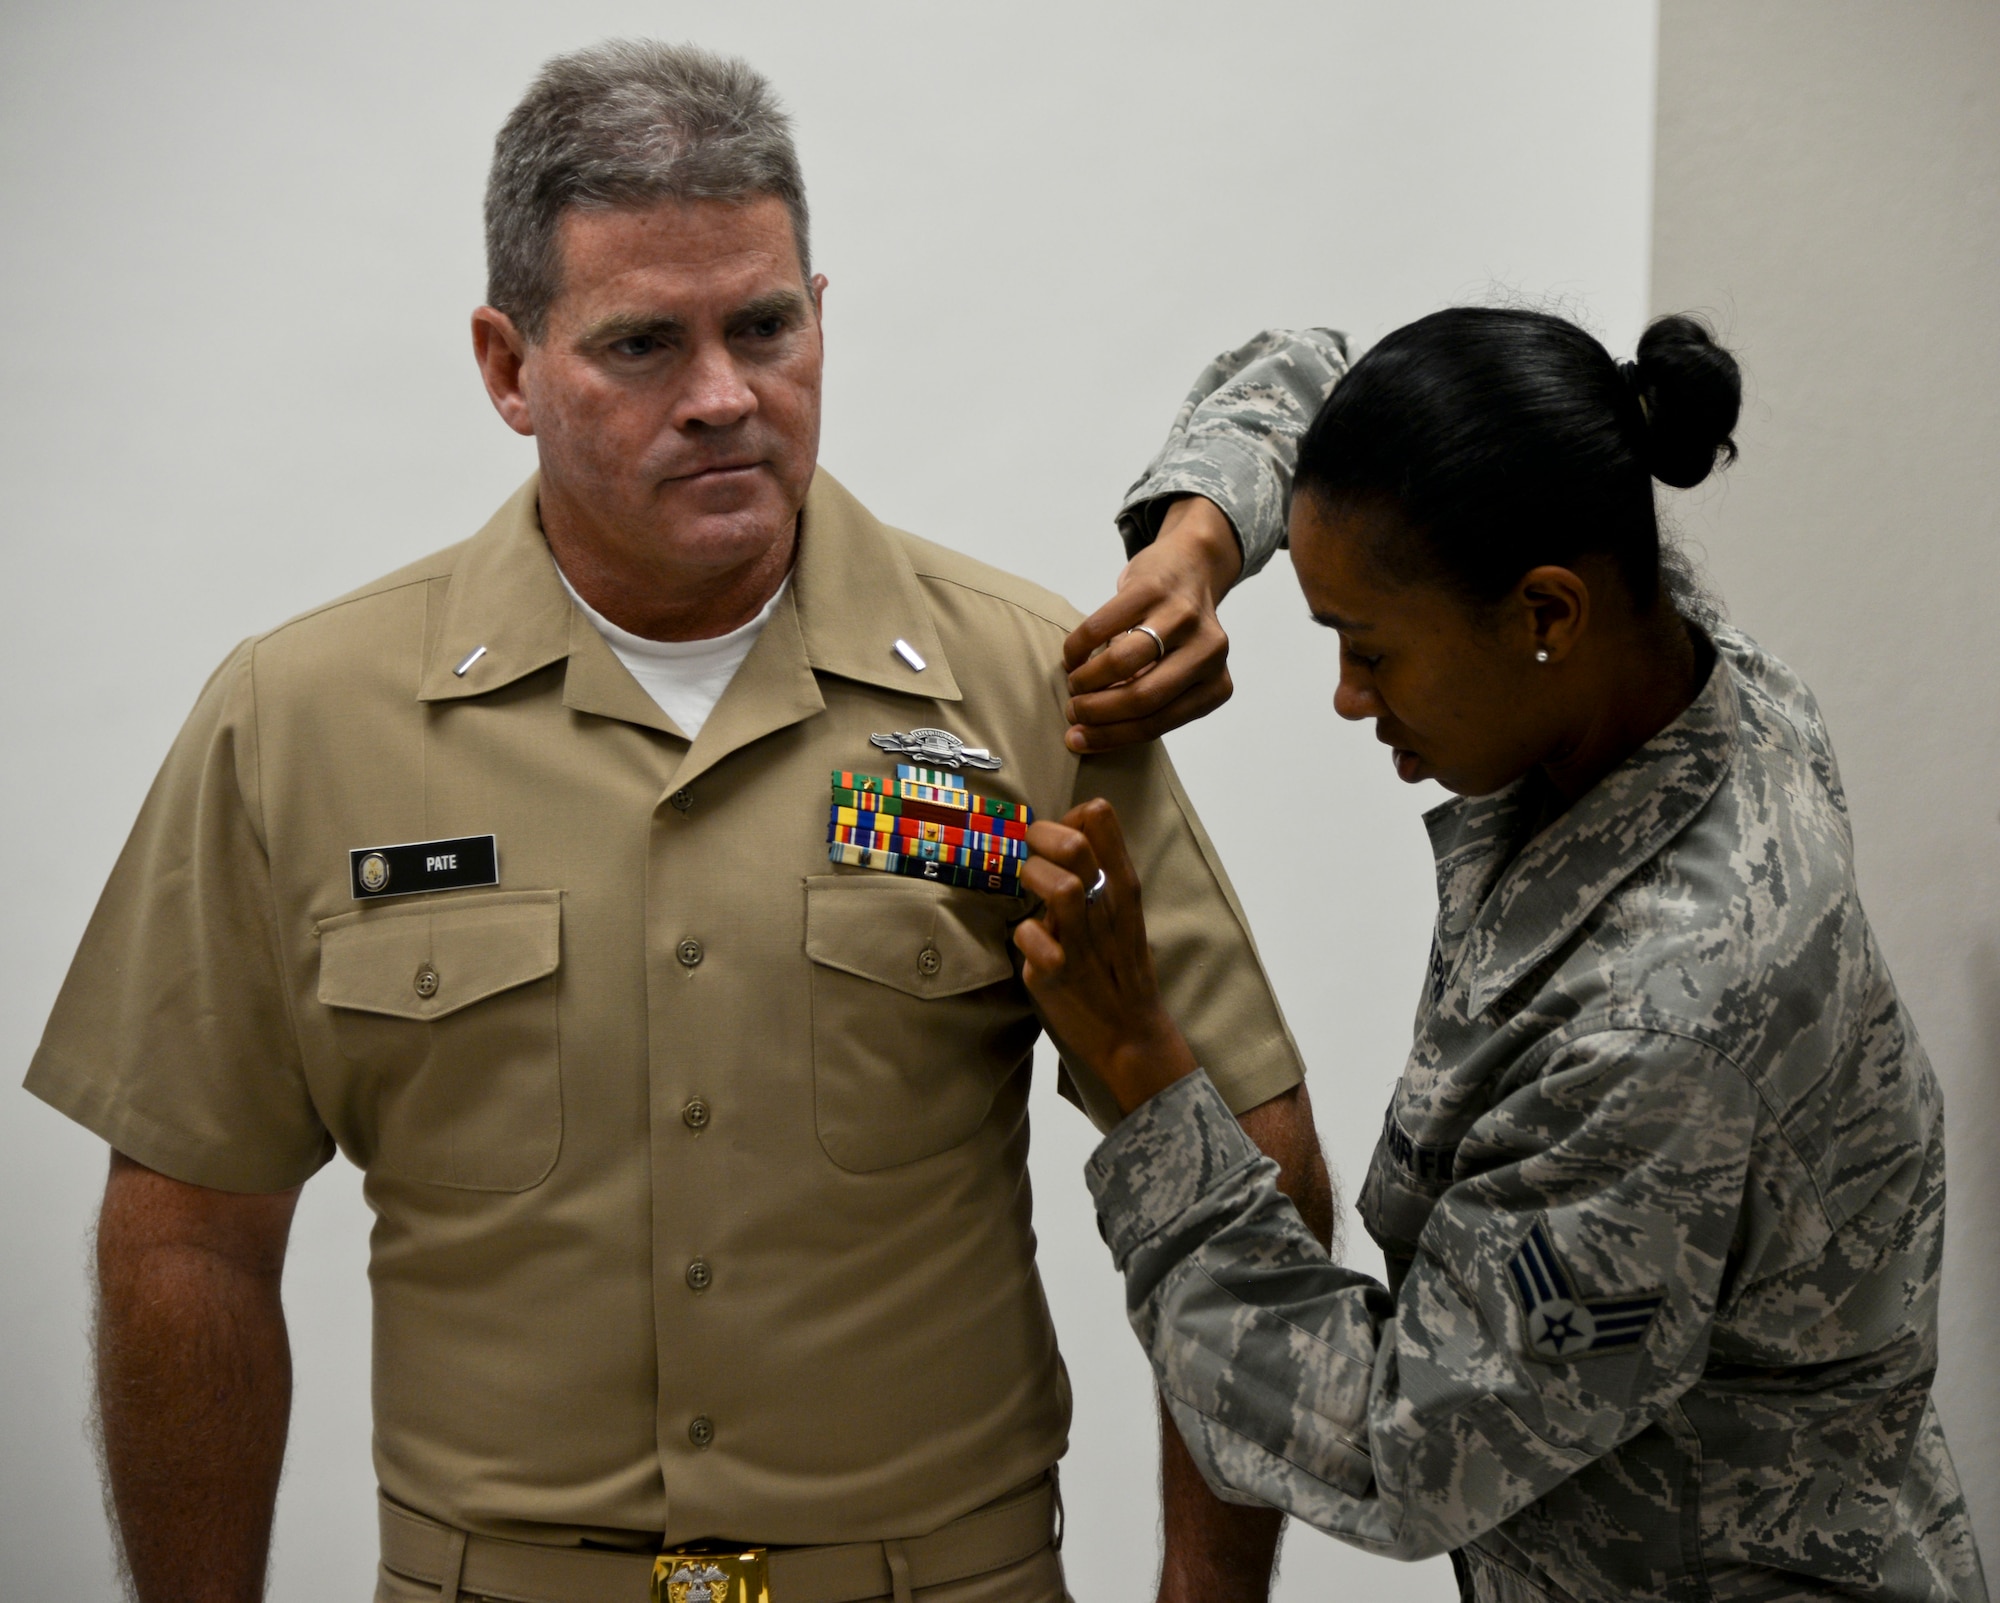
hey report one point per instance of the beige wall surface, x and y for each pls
(1828, 188)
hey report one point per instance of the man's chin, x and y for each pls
(727, 535)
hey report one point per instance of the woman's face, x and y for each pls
(1453, 688)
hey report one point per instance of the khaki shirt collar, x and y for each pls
(1541, 896)
(854, 593)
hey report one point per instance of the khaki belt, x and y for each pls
(990, 1538)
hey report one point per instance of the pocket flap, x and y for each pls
(923, 940)
(459, 951)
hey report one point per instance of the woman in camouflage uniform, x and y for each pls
(1661, 1188)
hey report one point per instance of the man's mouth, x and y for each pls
(718, 470)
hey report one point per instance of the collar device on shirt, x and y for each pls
(425, 865)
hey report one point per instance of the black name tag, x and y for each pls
(425, 865)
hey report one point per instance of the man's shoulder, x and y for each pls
(367, 622)
(939, 567)
(357, 606)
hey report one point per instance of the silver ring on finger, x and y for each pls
(1097, 888)
(1152, 635)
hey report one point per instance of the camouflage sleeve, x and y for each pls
(1236, 439)
(1561, 1298)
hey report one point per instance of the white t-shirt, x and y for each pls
(686, 677)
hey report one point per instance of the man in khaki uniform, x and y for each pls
(698, 1160)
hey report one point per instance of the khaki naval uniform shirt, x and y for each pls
(698, 1162)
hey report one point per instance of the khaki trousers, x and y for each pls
(1005, 1552)
(1034, 1580)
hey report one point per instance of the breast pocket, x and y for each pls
(446, 1013)
(917, 1017)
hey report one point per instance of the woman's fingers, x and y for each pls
(1179, 691)
(1081, 868)
(1097, 821)
(1086, 961)
(1042, 952)
(1125, 940)
(1061, 872)
(1136, 597)
(1125, 685)
(1062, 847)
(1129, 652)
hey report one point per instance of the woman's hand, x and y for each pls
(1088, 965)
(1124, 687)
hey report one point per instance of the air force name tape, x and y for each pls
(1562, 1326)
(1431, 1166)
(424, 865)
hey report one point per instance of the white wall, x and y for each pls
(241, 241)
(1829, 186)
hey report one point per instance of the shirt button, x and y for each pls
(689, 952)
(929, 962)
(699, 1276)
(682, 799)
(695, 1114)
(701, 1430)
(427, 982)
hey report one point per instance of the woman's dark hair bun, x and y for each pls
(1480, 442)
(1690, 391)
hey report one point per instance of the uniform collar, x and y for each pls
(1541, 896)
(857, 593)
(854, 593)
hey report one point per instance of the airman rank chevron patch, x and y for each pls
(1562, 1326)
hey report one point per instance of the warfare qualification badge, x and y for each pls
(939, 747)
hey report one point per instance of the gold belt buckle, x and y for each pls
(729, 1575)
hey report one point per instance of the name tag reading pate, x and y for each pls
(424, 865)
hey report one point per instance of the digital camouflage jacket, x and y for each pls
(1236, 439)
(1661, 1191)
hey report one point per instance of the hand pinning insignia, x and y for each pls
(939, 746)
(1563, 1326)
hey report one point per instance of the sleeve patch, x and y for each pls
(1562, 1326)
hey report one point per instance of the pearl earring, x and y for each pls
(1542, 656)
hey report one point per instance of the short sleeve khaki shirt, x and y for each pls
(698, 1161)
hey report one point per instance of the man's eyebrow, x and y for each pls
(653, 325)
(1333, 620)
(779, 303)
(633, 325)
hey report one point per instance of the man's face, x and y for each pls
(675, 393)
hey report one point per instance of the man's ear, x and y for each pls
(1554, 607)
(501, 352)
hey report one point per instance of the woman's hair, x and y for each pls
(1499, 440)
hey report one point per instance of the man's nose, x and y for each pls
(716, 395)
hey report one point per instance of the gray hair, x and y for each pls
(627, 123)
